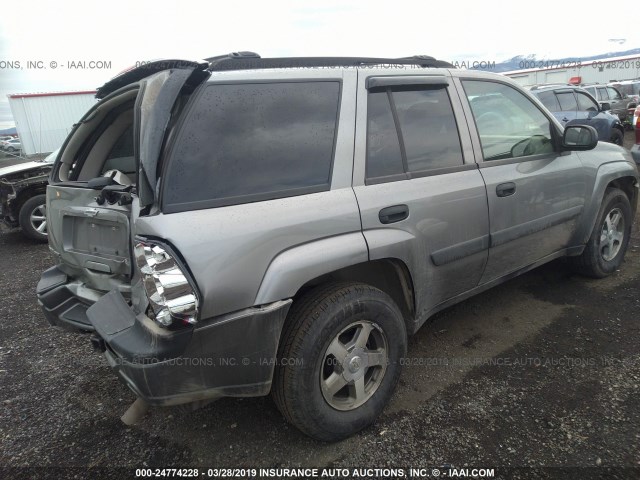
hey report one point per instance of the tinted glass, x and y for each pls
(586, 103)
(567, 101)
(429, 129)
(614, 94)
(383, 147)
(509, 124)
(121, 155)
(549, 100)
(249, 142)
(602, 94)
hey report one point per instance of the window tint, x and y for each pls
(602, 94)
(383, 147)
(249, 142)
(614, 94)
(567, 101)
(549, 100)
(121, 155)
(509, 124)
(586, 103)
(429, 129)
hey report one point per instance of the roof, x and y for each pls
(50, 94)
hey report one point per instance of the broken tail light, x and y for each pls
(171, 295)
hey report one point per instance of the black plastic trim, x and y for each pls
(460, 250)
(522, 230)
(408, 80)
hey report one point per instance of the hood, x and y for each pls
(20, 167)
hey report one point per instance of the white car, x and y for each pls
(11, 146)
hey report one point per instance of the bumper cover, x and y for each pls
(59, 304)
(231, 355)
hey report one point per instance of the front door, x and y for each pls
(535, 194)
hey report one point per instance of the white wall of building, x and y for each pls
(43, 121)
(596, 71)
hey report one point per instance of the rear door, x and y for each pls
(421, 196)
(104, 172)
(568, 106)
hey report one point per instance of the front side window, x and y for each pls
(509, 124)
(251, 142)
(614, 94)
(411, 131)
(586, 103)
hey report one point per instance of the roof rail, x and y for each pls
(251, 61)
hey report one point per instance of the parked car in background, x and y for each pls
(605, 94)
(631, 88)
(11, 146)
(22, 196)
(575, 106)
(635, 150)
(288, 224)
(6, 138)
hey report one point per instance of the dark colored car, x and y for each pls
(574, 106)
(22, 196)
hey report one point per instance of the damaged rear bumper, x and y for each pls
(60, 300)
(231, 355)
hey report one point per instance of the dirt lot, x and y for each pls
(543, 371)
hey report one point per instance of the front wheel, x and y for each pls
(33, 218)
(617, 137)
(609, 239)
(339, 359)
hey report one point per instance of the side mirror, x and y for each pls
(579, 137)
(605, 106)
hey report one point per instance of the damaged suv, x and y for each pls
(244, 226)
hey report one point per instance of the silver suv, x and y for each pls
(245, 226)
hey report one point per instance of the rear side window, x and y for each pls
(567, 101)
(252, 142)
(121, 155)
(410, 132)
(549, 100)
(602, 94)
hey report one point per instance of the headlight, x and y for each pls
(171, 296)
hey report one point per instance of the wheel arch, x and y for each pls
(391, 275)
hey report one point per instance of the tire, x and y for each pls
(329, 319)
(617, 137)
(30, 210)
(604, 251)
(10, 149)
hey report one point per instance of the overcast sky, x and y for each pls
(120, 33)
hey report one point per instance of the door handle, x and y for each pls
(393, 214)
(506, 189)
(565, 119)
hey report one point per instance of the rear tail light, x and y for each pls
(171, 296)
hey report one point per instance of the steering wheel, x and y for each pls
(491, 122)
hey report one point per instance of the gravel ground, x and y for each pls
(542, 371)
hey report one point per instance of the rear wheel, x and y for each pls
(339, 359)
(33, 218)
(617, 137)
(609, 239)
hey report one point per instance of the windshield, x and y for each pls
(51, 157)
